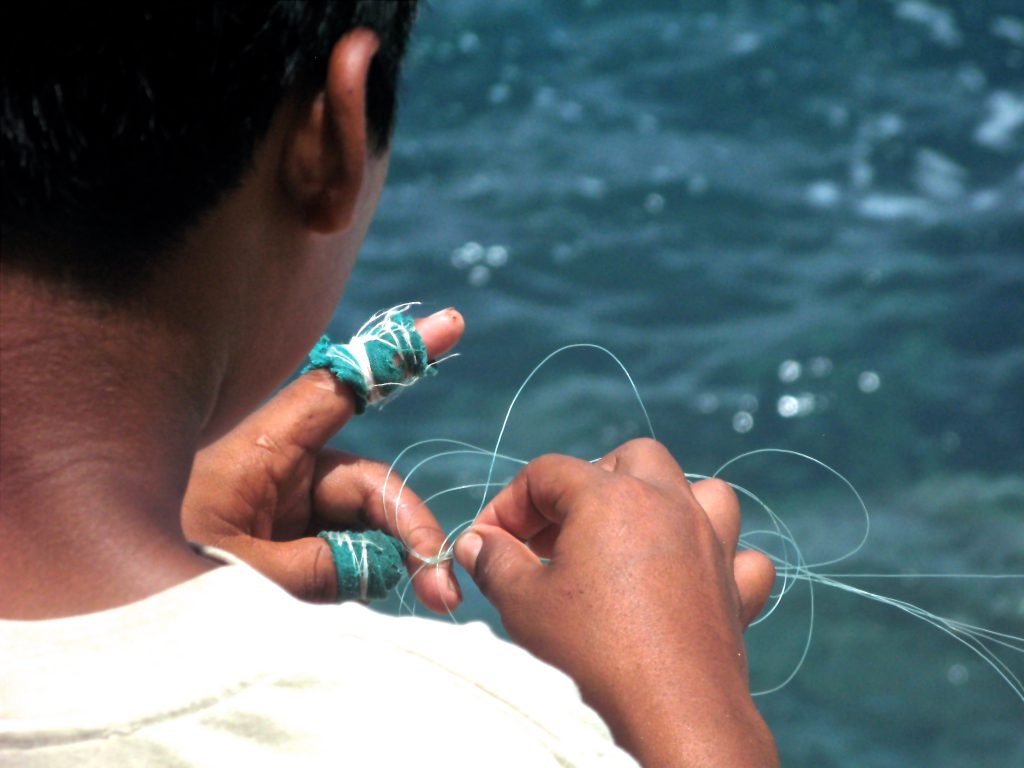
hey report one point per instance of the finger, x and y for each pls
(441, 331)
(502, 567)
(543, 544)
(304, 567)
(754, 575)
(310, 410)
(722, 507)
(648, 460)
(540, 495)
(352, 491)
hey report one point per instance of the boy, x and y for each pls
(185, 190)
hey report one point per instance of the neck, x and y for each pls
(96, 452)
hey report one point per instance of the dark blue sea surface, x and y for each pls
(799, 225)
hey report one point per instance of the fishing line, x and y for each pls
(792, 567)
(387, 354)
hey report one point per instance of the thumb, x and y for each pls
(501, 565)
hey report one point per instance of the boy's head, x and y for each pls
(207, 170)
(122, 124)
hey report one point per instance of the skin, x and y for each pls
(643, 569)
(130, 429)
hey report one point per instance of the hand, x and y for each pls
(263, 489)
(643, 602)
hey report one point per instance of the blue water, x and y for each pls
(800, 225)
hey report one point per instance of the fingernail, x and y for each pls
(466, 550)
(444, 311)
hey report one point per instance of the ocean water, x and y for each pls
(799, 225)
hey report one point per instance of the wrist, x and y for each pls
(706, 724)
(710, 734)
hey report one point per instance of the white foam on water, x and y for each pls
(1005, 116)
(938, 22)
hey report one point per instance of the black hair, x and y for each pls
(122, 123)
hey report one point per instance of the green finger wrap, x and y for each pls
(378, 361)
(369, 563)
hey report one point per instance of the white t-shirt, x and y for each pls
(228, 669)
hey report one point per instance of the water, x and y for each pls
(800, 225)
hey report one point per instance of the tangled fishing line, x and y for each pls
(790, 563)
(390, 339)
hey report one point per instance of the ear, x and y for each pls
(325, 154)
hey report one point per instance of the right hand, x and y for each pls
(643, 602)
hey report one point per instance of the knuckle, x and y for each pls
(647, 451)
(721, 492)
(645, 445)
(563, 471)
(547, 462)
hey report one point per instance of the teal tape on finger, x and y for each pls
(385, 355)
(369, 564)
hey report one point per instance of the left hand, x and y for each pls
(262, 489)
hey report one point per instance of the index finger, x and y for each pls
(310, 410)
(349, 490)
(542, 494)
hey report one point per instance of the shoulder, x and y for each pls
(229, 664)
